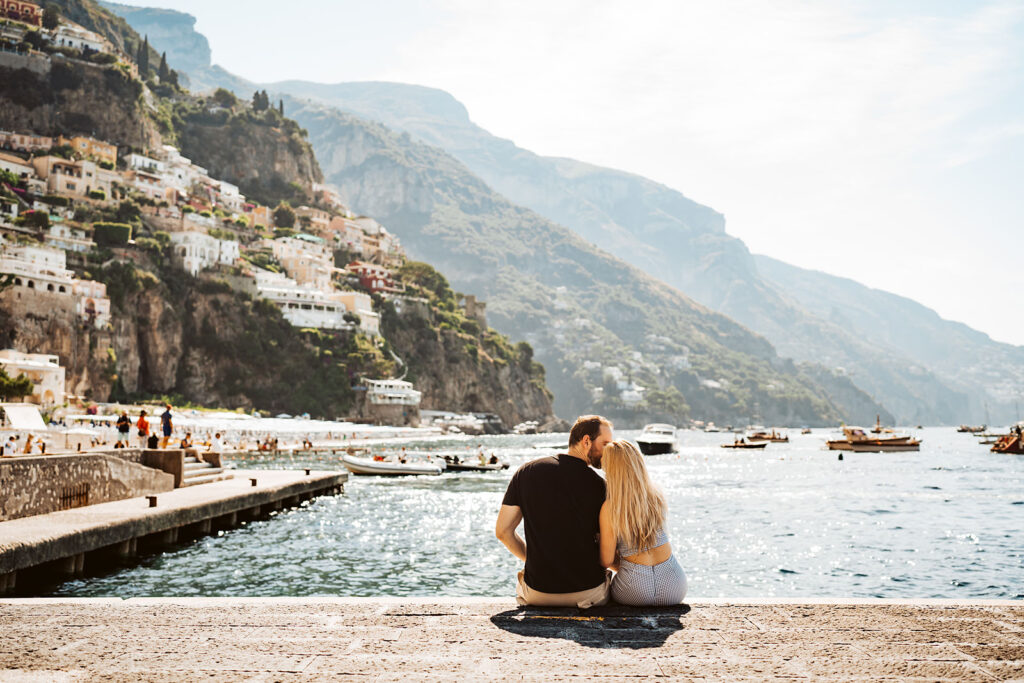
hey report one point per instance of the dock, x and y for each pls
(66, 543)
(308, 639)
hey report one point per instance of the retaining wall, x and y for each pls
(36, 485)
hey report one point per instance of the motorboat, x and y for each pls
(859, 441)
(528, 427)
(772, 436)
(971, 429)
(656, 439)
(360, 465)
(805, 430)
(740, 443)
(1012, 442)
(453, 465)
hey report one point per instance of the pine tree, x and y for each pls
(280, 107)
(144, 58)
(163, 71)
(266, 100)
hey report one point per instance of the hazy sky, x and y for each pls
(882, 141)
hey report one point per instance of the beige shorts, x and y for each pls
(592, 597)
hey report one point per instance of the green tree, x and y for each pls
(284, 215)
(143, 61)
(34, 219)
(51, 16)
(11, 387)
(224, 98)
(163, 72)
(280, 107)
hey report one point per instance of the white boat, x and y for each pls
(656, 439)
(359, 465)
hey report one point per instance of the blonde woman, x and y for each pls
(633, 538)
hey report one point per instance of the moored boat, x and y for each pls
(740, 443)
(772, 436)
(1012, 442)
(656, 439)
(858, 441)
(969, 429)
(359, 465)
(452, 466)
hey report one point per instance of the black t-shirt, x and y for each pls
(561, 499)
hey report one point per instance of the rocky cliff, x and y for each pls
(76, 97)
(198, 341)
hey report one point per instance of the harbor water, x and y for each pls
(790, 521)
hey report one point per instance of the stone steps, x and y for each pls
(199, 472)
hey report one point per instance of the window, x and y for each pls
(49, 288)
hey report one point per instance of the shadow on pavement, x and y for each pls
(611, 626)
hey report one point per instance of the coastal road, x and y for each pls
(304, 639)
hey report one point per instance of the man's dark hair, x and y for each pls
(587, 425)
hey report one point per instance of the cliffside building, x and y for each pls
(75, 178)
(91, 149)
(18, 10)
(41, 272)
(373, 277)
(195, 251)
(25, 142)
(305, 258)
(78, 38)
(391, 401)
(43, 369)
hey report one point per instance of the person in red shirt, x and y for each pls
(143, 426)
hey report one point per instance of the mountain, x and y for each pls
(446, 215)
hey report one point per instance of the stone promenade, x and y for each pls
(305, 639)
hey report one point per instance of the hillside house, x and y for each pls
(373, 277)
(43, 369)
(91, 149)
(305, 258)
(25, 142)
(359, 304)
(16, 165)
(195, 251)
(78, 38)
(43, 271)
(75, 178)
(315, 220)
(18, 10)
(60, 236)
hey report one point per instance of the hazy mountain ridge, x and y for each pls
(685, 244)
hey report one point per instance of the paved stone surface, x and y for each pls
(30, 541)
(472, 639)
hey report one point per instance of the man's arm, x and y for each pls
(505, 529)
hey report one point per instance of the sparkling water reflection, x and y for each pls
(789, 521)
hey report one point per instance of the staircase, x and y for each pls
(199, 472)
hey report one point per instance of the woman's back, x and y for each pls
(633, 537)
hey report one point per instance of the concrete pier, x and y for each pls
(307, 639)
(67, 542)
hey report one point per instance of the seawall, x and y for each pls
(305, 639)
(67, 543)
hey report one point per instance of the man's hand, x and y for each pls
(505, 529)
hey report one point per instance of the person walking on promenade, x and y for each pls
(124, 425)
(166, 426)
(559, 500)
(633, 538)
(143, 426)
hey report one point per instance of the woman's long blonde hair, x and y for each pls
(637, 506)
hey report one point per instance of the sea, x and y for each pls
(792, 520)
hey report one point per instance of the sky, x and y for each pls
(877, 140)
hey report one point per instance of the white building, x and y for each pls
(68, 238)
(229, 197)
(196, 251)
(44, 269)
(43, 369)
(91, 302)
(68, 35)
(179, 172)
(394, 392)
(138, 162)
(306, 306)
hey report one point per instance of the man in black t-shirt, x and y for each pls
(559, 499)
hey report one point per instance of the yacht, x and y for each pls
(858, 440)
(360, 465)
(656, 439)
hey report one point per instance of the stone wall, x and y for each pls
(40, 484)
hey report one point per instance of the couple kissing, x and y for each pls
(581, 527)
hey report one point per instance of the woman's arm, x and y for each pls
(608, 558)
